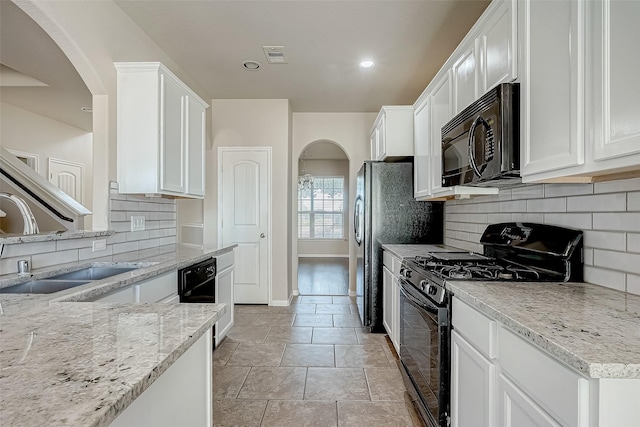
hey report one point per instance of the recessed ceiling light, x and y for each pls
(251, 65)
(367, 64)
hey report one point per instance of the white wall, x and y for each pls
(351, 132)
(32, 133)
(330, 247)
(257, 123)
(607, 212)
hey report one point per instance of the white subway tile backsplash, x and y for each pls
(167, 240)
(527, 192)
(25, 249)
(607, 278)
(118, 216)
(137, 235)
(119, 205)
(570, 220)
(529, 217)
(633, 201)
(633, 284)
(499, 217)
(117, 238)
(514, 206)
(62, 245)
(119, 248)
(633, 242)
(605, 240)
(547, 205)
(617, 186)
(587, 253)
(461, 226)
(629, 221)
(87, 253)
(146, 244)
(620, 261)
(563, 190)
(10, 265)
(162, 216)
(54, 258)
(614, 202)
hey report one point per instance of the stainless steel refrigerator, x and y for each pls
(386, 212)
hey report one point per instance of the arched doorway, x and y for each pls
(322, 213)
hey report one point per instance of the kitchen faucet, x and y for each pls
(30, 224)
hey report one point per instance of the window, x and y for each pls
(321, 209)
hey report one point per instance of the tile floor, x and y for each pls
(309, 364)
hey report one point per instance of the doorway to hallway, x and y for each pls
(323, 276)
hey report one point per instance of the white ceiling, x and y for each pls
(324, 41)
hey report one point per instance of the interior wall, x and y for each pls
(94, 35)
(329, 247)
(32, 133)
(255, 123)
(351, 132)
(607, 212)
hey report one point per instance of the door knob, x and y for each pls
(262, 235)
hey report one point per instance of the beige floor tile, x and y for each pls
(250, 354)
(336, 384)
(238, 413)
(347, 321)
(365, 337)
(223, 352)
(334, 336)
(274, 384)
(313, 320)
(373, 414)
(359, 356)
(316, 299)
(343, 299)
(269, 319)
(227, 381)
(333, 309)
(296, 308)
(385, 384)
(248, 308)
(288, 334)
(254, 334)
(300, 413)
(244, 319)
(308, 355)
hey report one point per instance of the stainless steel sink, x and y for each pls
(42, 286)
(93, 273)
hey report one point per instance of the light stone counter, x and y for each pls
(411, 251)
(593, 329)
(70, 363)
(82, 364)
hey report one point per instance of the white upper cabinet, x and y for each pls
(580, 109)
(161, 133)
(422, 148)
(465, 79)
(441, 113)
(392, 133)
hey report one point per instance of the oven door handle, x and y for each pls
(188, 292)
(422, 303)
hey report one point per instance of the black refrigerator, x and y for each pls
(385, 212)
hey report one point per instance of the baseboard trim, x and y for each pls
(321, 256)
(296, 292)
(281, 302)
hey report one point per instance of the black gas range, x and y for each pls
(512, 252)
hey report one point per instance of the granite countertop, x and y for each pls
(411, 251)
(69, 363)
(593, 329)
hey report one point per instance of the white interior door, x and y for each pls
(68, 177)
(244, 211)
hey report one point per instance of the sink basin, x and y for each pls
(42, 286)
(93, 273)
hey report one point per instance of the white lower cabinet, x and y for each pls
(391, 298)
(518, 410)
(162, 288)
(181, 396)
(473, 397)
(224, 293)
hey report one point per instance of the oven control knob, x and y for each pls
(405, 273)
(423, 285)
(432, 290)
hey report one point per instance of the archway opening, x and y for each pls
(323, 218)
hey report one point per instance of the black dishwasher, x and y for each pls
(197, 283)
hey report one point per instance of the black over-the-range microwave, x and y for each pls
(481, 145)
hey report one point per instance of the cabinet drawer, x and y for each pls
(224, 261)
(478, 329)
(158, 288)
(560, 391)
(392, 263)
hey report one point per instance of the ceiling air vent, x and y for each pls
(274, 54)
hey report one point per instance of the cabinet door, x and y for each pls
(382, 138)
(157, 288)
(517, 410)
(616, 86)
(195, 147)
(498, 47)
(172, 136)
(387, 303)
(374, 143)
(422, 149)
(465, 79)
(441, 113)
(395, 313)
(224, 294)
(552, 78)
(473, 394)
(124, 295)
